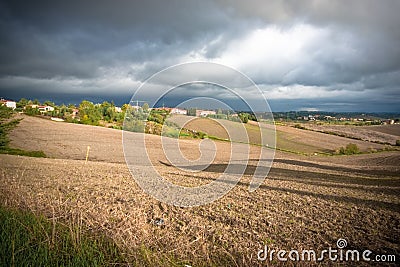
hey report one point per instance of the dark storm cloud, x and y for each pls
(364, 36)
(98, 47)
(74, 38)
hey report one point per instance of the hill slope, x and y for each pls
(305, 202)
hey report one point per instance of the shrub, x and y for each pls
(350, 149)
(202, 135)
(298, 126)
(397, 142)
(170, 132)
(244, 117)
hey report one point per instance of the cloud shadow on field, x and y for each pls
(318, 179)
(335, 168)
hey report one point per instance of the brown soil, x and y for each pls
(287, 138)
(309, 141)
(67, 140)
(208, 126)
(380, 133)
(306, 202)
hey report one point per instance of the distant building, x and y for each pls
(329, 118)
(8, 103)
(386, 122)
(118, 109)
(31, 106)
(204, 113)
(44, 109)
(136, 107)
(178, 111)
(75, 112)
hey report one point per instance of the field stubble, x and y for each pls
(306, 202)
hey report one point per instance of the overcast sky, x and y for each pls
(322, 55)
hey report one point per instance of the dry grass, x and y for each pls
(306, 202)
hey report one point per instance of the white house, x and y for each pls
(136, 107)
(8, 103)
(204, 113)
(74, 113)
(45, 108)
(178, 111)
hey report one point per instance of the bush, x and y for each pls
(397, 142)
(202, 135)
(244, 117)
(349, 150)
(170, 132)
(298, 126)
(134, 125)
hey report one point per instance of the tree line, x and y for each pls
(86, 112)
(108, 114)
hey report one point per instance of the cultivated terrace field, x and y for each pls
(310, 199)
(383, 134)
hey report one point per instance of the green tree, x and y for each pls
(108, 111)
(49, 103)
(192, 111)
(244, 117)
(22, 103)
(63, 111)
(145, 107)
(31, 111)
(89, 113)
(124, 107)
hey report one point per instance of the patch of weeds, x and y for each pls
(30, 240)
(298, 126)
(20, 152)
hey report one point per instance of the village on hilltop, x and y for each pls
(102, 113)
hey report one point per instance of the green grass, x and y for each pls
(20, 152)
(27, 239)
(30, 240)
